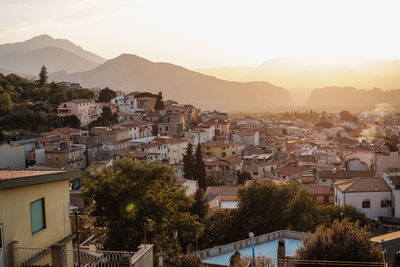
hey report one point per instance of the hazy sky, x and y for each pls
(209, 33)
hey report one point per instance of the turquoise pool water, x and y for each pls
(269, 249)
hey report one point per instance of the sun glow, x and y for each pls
(208, 33)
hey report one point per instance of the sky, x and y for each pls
(211, 33)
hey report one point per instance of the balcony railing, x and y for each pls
(98, 258)
(25, 257)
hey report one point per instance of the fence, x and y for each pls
(26, 257)
(98, 258)
(311, 263)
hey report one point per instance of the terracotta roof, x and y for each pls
(363, 184)
(290, 170)
(216, 163)
(215, 143)
(133, 124)
(67, 130)
(342, 174)
(250, 168)
(232, 159)
(222, 190)
(262, 180)
(50, 138)
(12, 174)
(316, 189)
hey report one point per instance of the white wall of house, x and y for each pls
(356, 165)
(356, 198)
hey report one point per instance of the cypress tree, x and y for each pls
(43, 76)
(199, 169)
(188, 162)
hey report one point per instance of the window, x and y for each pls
(56, 157)
(38, 218)
(324, 180)
(386, 203)
(326, 199)
(366, 204)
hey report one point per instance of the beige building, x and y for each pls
(34, 213)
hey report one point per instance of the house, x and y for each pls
(251, 138)
(172, 125)
(324, 194)
(85, 110)
(34, 213)
(113, 138)
(220, 149)
(146, 102)
(169, 150)
(69, 134)
(138, 129)
(256, 171)
(292, 173)
(222, 197)
(371, 195)
(190, 186)
(66, 158)
(329, 177)
(125, 103)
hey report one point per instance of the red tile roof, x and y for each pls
(342, 174)
(363, 184)
(67, 130)
(290, 170)
(12, 174)
(222, 190)
(319, 189)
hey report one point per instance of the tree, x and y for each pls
(343, 241)
(43, 76)
(199, 173)
(130, 194)
(243, 177)
(235, 260)
(347, 116)
(159, 103)
(5, 102)
(200, 205)
(71, 121)
(328, 214)
(107, 118)
(188, 162)
(106, 95)
(189, 261)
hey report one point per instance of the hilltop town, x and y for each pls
(338, 160)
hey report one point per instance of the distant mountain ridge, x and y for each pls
(130, 72)
(303, 73)
(335, 96)
(57, 54)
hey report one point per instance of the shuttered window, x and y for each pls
(38, 216)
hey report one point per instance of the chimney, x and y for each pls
(281, 252)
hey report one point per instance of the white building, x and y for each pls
(251, 138)
(138, 129)
(371, 195)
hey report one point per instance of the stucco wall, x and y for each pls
(12, 157)
(16, 220)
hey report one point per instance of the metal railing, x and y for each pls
(98, 258)
(26, 257)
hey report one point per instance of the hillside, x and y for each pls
(57, 54)
(130, 72)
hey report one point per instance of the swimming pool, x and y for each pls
(268, 249)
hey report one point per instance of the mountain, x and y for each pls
(130, 73)
(56, 54)
(228, 73)
(352, 98)
(296, 72)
